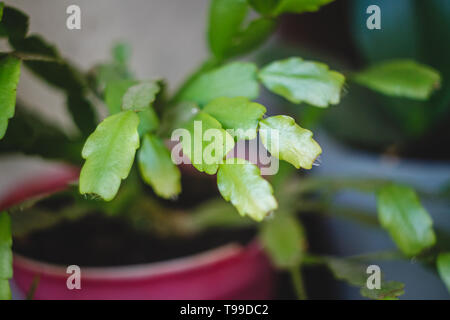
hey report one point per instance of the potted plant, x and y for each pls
(99, 222)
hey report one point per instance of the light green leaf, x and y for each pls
(5, 290)
(9, 79)
(157, 168)
(443, 267)
(114, 93)
(241, 183)
(401, 78)
(2, 5)
(239, 114)
(299, 6)
(225, 19)
(303, 81)
(206, 153)
(140, 96)
(389, 290)
(284, 240)
(264, 6)
(176, 116)
(236, 79)
(6, 270)
(402, 215)
(109, 154)
(288, 141)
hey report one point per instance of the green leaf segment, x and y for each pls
(9, 79)
(6, 270)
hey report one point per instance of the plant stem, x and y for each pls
(297, 281)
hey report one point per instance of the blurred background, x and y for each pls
(367, 135)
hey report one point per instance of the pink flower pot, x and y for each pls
(229, 272)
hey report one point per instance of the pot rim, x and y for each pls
(175, 265)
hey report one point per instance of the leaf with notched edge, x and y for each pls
(299, 81)
(240, 182)
(109, 154)
(288, 141)
(239, 114)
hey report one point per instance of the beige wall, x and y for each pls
(167, 37)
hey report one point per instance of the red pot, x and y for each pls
(229, 272)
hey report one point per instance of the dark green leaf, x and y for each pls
(241, 183)
(225, 19)
(9, 79)
(109, 154)
(443, 266)
(232, 80)
(238, 114)
(28, 133)
(2, 6)
(288, 141)
(355, 274)
(157, 168)
(82, 112)
(402, 215)
(206, 153)
(284, 240)
(14, 23)
(401, 78)
(303, 81)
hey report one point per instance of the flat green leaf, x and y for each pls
(2, 6)
(299, 6)
(236, 79)
(264, 6)
(389, 290)
(114, 93)
(176, 116)
(303, 81)
(250, 37)
(443, 267)
(157, 168)
(400, 78)
(402, 215)
(148, 121)
(14, 23)
(355, 274)
(5, 290)
(238, 114)
(140, 96)
(109, 154)
(240, 182)
(288, 141)
(225, 19)
(206, 153)
(284, 240)
(6, 270)
(9, 79)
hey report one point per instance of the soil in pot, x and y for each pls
(98, 240)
